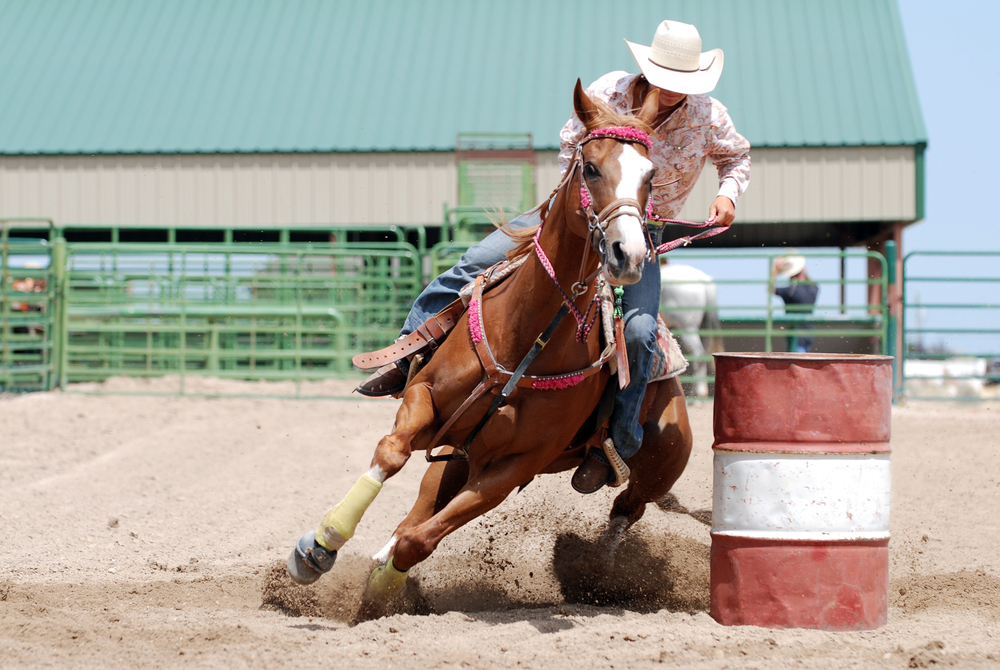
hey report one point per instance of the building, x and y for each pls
(310, 114)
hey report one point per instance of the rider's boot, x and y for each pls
(596, 472)
(592, 475)
(387, 380)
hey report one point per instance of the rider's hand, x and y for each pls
(722, 210)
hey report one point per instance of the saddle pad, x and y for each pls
(495, 274)
(668, 361)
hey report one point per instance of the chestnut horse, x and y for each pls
(520, 440)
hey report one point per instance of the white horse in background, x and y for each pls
(688, 301)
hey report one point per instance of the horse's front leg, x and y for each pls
(316, 551)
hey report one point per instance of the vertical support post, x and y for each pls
(769, 321)
(58, 324)
(875, 277)
(892, 320)
(843, 280)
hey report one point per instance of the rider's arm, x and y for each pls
(730, 153)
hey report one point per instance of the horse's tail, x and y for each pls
(710, 321)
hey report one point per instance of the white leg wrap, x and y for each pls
(338, 525)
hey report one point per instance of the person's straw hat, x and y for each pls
(786, 267)
(675, 62)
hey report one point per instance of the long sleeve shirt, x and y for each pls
(699, 129)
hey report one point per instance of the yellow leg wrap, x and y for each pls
(337, 526)
(386, 581)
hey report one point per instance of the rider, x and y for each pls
(690, 127)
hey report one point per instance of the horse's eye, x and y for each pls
(589, 171)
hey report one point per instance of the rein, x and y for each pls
(712, 231)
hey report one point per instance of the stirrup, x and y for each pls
(619, 467)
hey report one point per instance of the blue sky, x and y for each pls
(954, 53)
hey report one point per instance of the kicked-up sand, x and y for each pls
(151, 531)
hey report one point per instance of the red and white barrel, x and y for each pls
(800, 513)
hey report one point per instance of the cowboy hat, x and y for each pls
(786, 267)
(675, 62)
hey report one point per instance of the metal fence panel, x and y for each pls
(244, 311)
(27, 307)
(950, 340)
(752, 318)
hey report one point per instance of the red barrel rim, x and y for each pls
(789, 356)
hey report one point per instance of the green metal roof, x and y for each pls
(197, 76)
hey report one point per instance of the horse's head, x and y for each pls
(616, 178)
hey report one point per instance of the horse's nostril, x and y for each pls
(618, 253)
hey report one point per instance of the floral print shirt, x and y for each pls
(700, 128)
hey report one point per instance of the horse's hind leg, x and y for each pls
(656, 467)
(316, 551)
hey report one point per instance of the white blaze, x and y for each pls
(634, 170)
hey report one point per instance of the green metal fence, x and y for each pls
(753, 318)
(231, 310)
(951, 343)
(27, 308)
(296, 311)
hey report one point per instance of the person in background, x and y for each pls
(799, 295)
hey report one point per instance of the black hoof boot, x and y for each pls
(309, 560)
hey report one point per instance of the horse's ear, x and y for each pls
(650, 107)
(584, 107)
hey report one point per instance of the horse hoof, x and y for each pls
(385, 582)
(309, 560)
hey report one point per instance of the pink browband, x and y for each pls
(626, 133)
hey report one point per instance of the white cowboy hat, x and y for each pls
(786, 267)
(675, 61)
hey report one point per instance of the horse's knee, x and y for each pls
(391, 454)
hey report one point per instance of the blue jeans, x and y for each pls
(641, 303)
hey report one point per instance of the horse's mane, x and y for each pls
(605, 116)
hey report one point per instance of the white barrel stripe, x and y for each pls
(809, 536)
(783, 494)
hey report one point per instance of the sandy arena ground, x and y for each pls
(142, 531)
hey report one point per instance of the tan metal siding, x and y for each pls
(808, 184)
(812, 184)
(821, 184)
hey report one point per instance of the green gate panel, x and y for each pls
(27, 307)
(241, 311)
